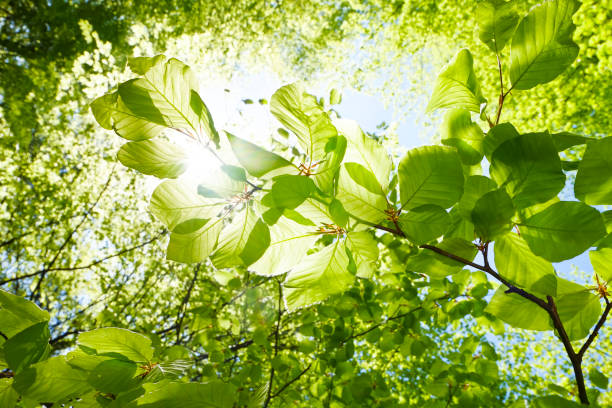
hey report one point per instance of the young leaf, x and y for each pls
(113, 341)
(578, 308)
(518, 311)
(257, 161)
(27, 347)
(542, 46)
(52, 380)
(491, 214)
(459, 131)
(174, 202)
(18, 314)
(563, 230)
(516, 262)
(194, 246)
(430, 175)
(361, 194)
(529, 168)
(438, 266)
(154, 157)
(243, 241)
(166, 96)
(299, 112)
(364, 249)
(594, 178)
(497, 20)
(112, 114)
(475, 187)
(496, 136)
(425, 223)
(318, 276)
(365, 151)
(602, 263)
(457, 86)
(289, 191)
(214, 394)
(289, 242)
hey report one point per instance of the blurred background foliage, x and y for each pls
(76, 237)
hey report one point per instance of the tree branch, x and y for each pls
(181, 311)
(595, 331)
(276, 332)
(574, 358)
(70, 235)
(284, 387)
(79, 267)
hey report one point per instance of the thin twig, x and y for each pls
(595, 331)
(181, 309)
(284, 387)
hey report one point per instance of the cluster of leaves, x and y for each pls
(310, 218)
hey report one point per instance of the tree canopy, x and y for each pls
(318, 264)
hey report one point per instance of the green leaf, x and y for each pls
(111, 113)
(234, 172)
(51, 381)
(529, 168)
(578, 308)
(242, 242)
(542, 46)
(27, 347)
(318, 276)
(257, 161)
(460, 132)
(175, 202)
(289, 191)
(598, 379)
(518, 311)
(475, 187)
(602, 263)
(335, 97)
(289, 242)
(360, 193)
(338, 213)
(18, 314)
(593, 182)
(366, 151)
(140, 65)
(565, 140)
(516, 263)
(166, 95)
(112, 341)
(364, 249)
(113, 376)
(553, 401)
(439, 266)
(430, 175)
(327, 168)
(299, 112)
(194, 246)
(215, 394)
(492, 213)
(497, 20)
(425, 223)
(154, 157)
(8, 395)
(496, 137)
(563, 230)
(457, 86)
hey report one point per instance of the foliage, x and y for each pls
(359, 261)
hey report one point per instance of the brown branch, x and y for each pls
(574, 358)
(234, 347)
(595, 331)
